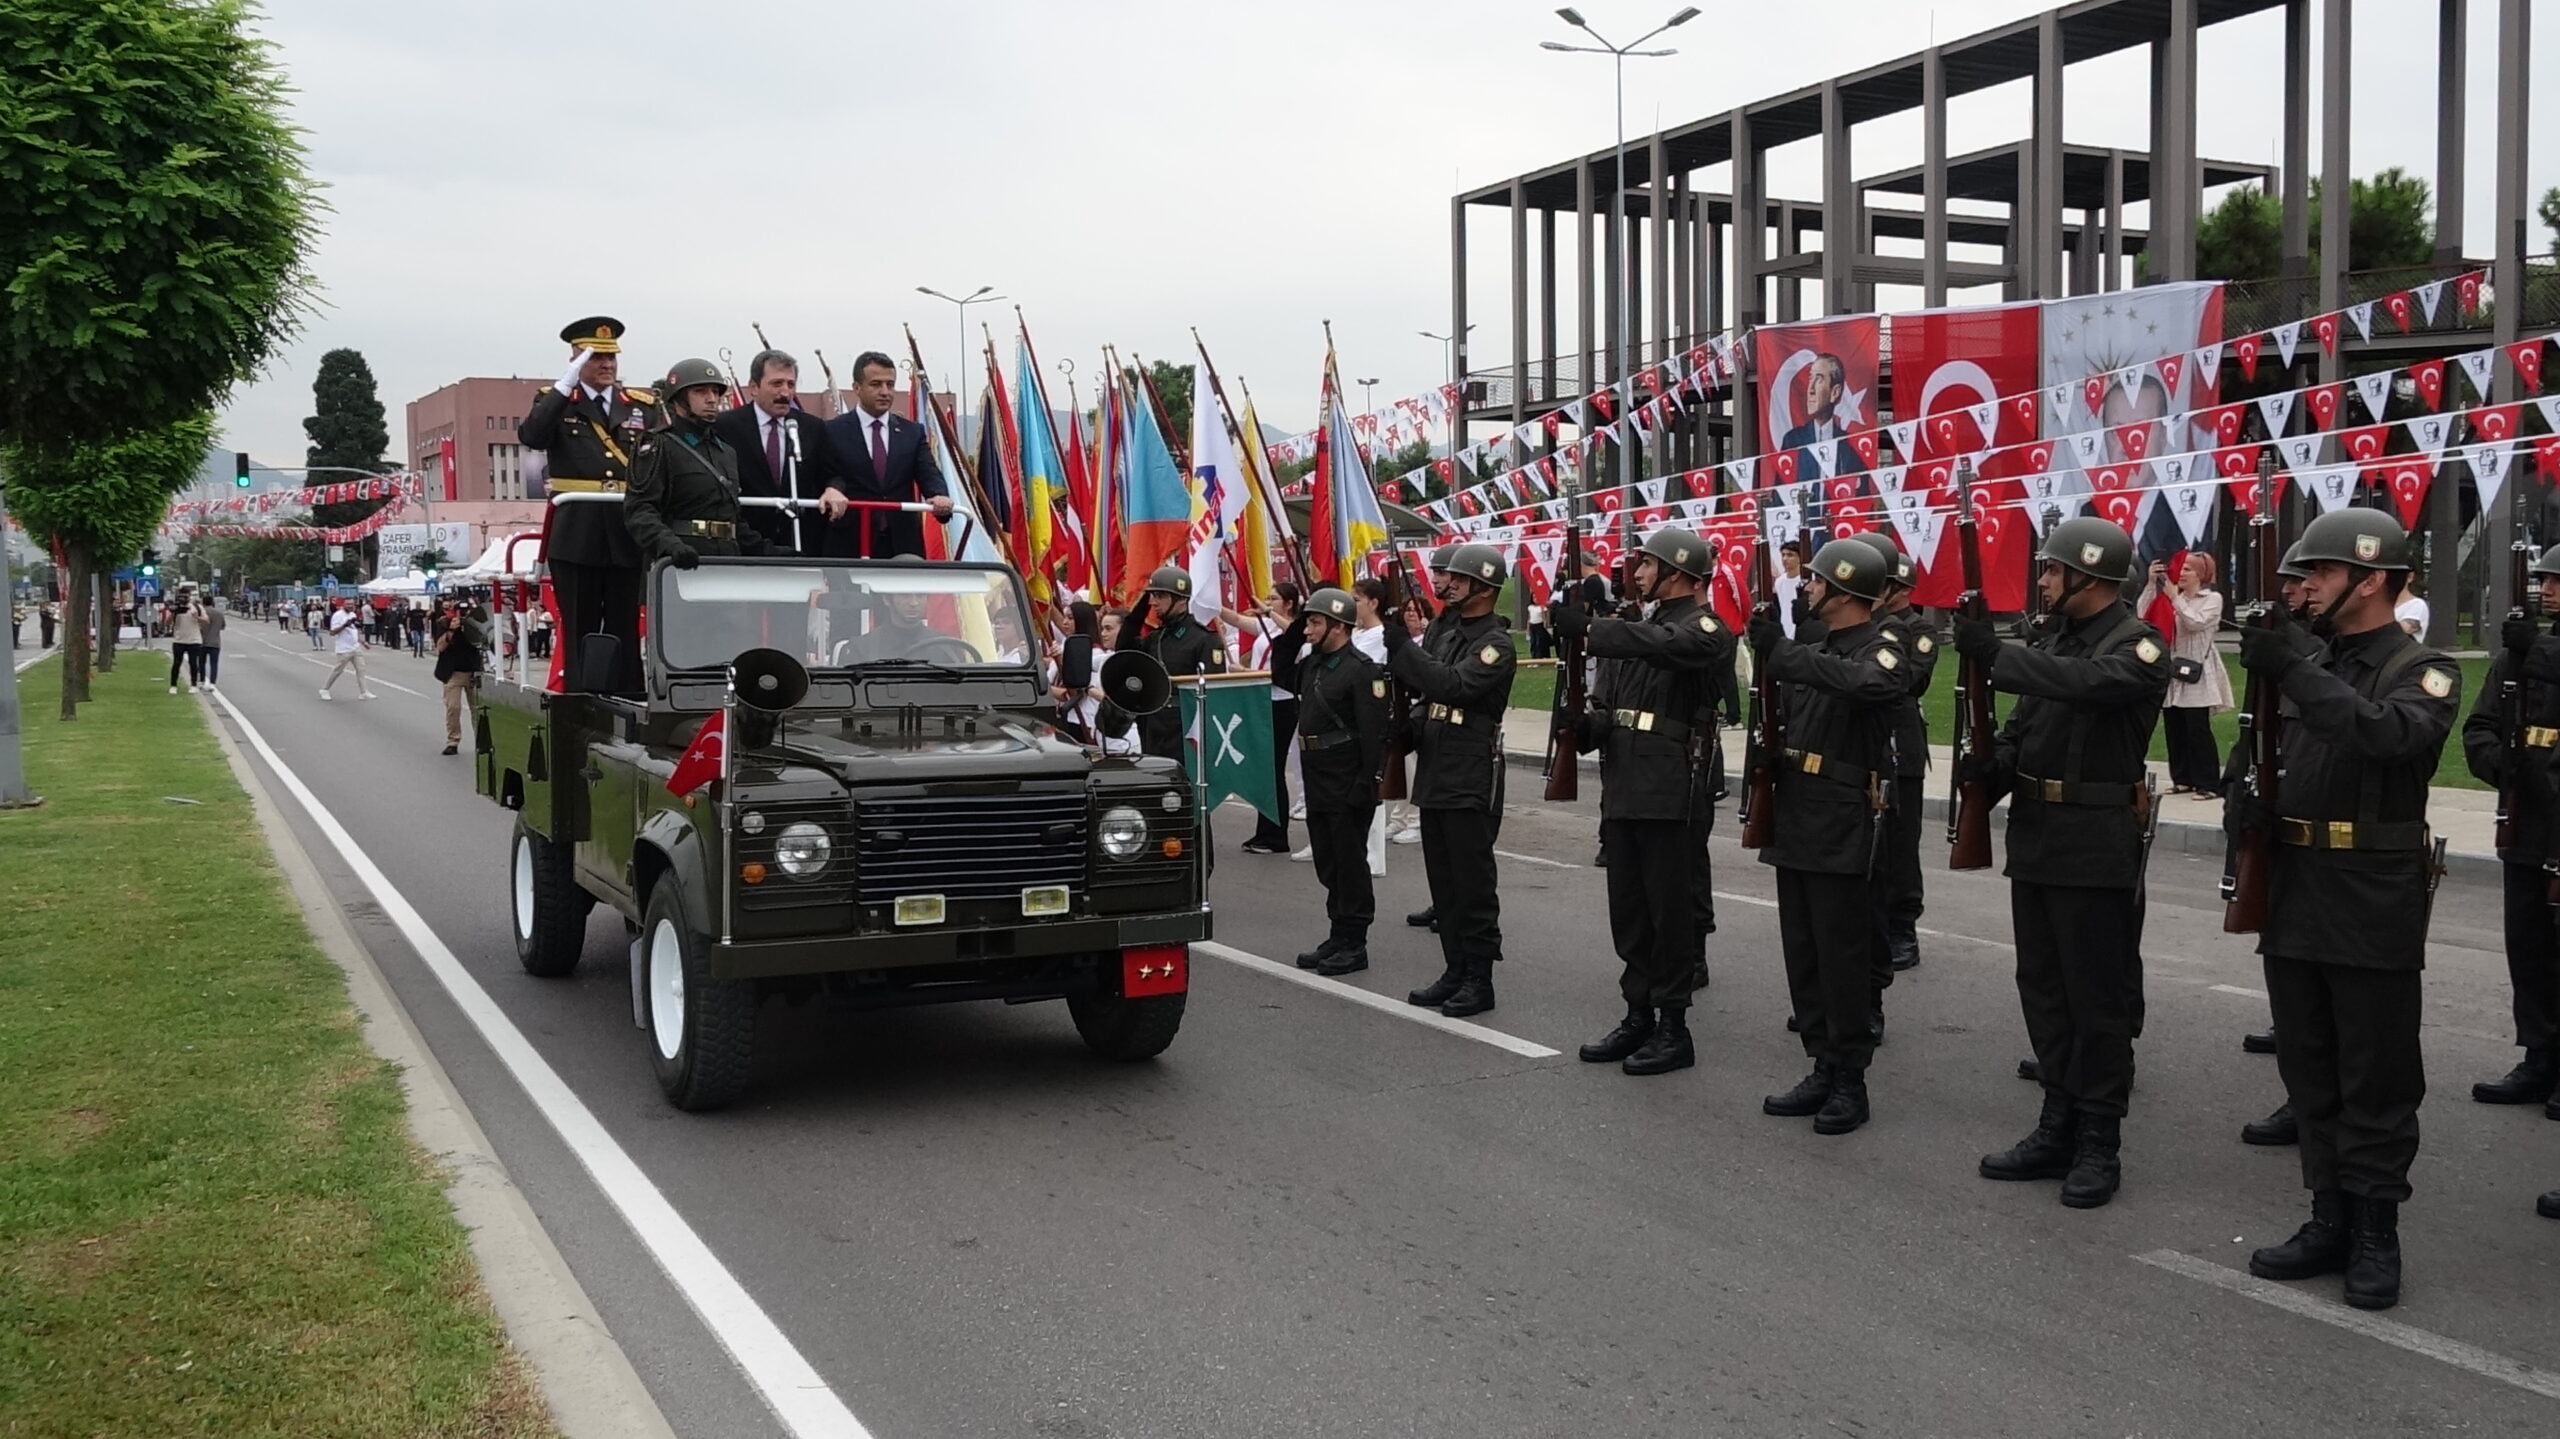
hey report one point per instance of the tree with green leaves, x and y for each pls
(2549, 211)
(347, 431)
(1173, 386)
(2390, 225)
(2242, 237)
(100, 502)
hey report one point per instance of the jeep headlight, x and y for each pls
(802, 849)
(1123, 832)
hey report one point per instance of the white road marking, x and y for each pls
(372, 676)
(1534, 859)
(22, 666)
(785, 1379)
(2417, 1341)
(1745, 899)
(2236, 989)
(1428, 1018)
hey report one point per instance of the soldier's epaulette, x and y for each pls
(639, 396)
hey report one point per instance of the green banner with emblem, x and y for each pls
(1234, 746)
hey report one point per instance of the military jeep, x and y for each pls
(843, 782)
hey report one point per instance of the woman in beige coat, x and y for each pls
(2202, 687)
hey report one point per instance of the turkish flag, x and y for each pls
(2136, 440)
(2108, 482)
(2324, 401)
(1391, 492)
(2408, 484)
(2398, 307)
(1553, 422)
(2036, 459)
(1956, 361)
(1737, 540)
(700, 763)
(2430, 377)
(2093, 392)
(2022, 409)
(2468, 287)
(1864, 442)
(1609, 502)
(1783, 465)
(2495, 423)
(2526, 355)
(2246, 347)
(2224, 421)
(2326, 327)
(2238, 467)
(1606, 403)
(1701, 484)
(1652, 517)
(2170, 368)
(2366, 443)
(1468, 503)
(2546, 457)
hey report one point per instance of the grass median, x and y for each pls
(212, 1217)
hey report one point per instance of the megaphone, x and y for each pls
(1134, 681)
(768, 680)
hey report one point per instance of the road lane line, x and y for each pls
(372, 679)
(1534, 859)
(22, 666)
(2235, 989)
(785, 1379)
(2417, 1341)
(1427, 1018)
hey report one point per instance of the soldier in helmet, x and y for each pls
(590, 427)
(1834, 788)
(2072, 761)
(2530, 657)
(1912, 633)
(1162, 626)
(2349, 891)
(1460, 674)
(1342, 739)
(683, 502)
(1654, 795)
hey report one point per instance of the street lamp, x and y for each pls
(1618, 178)
(1368, 396)
(1452, 342)
(979, 296)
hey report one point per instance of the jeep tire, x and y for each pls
(702, 1031)
(550, 910)
(1119, 1028)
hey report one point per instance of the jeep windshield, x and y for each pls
(883, 618)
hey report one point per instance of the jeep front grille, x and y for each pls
(969, 846)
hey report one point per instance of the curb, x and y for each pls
(585, 1378)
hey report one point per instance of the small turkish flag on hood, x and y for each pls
(700, 763)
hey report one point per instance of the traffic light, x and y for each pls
(240, 469)
(150, 563)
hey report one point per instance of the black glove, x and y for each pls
(1981, 769)
(2243, 811)
(683, 557)
(1765, 633)
(1587, 731)
(2274, 650)
(1977, 641)
(1392, 632)
(1569, 621)
(2519, 633)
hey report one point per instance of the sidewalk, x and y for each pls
(2466, 819)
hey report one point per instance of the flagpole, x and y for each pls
(1179, 445)
(1253, 464)
(949, 427)
(1040, 386)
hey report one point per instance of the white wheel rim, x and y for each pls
(524, 888)
(666, 989)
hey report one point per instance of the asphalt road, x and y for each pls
(1315, 1218)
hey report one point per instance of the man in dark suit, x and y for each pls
(884, 458)
(589, 426)
(783, 452)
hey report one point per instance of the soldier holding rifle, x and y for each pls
(1912, 633)
(1654, 795)
(2071, 760)
(2351, 879)
(1342, 740)
(2510, 740)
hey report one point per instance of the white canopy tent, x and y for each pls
(508, 557)
(413, 585)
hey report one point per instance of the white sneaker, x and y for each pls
(324, 694)
(1297, 811)
(368, 694)
(173, 689)
(1305, 856)
(1410, 834)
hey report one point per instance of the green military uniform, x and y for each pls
(1342, 744)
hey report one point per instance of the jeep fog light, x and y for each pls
(802, 850)
(917, 909)
(1123, 832)
(1045, 899)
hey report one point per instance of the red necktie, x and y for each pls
(879, 456)
(773, 450)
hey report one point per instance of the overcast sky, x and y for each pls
(1124, 169)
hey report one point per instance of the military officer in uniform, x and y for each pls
(1342, 742)
(1460, 675)
(590, 427)
(2279, 1127)
(683, 500)
(1162, 627)
(1654, 796)
(1833, 789)
(1911, 633)
(2530, 658)
(2072, 761)
(2348, 894)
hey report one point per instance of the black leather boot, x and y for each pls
(1904, 946)
(1437, 992)
(1428, 917)
(1846, 1109)
(2030, 1071)
(1349, 957)
(2530, 1082)
(2319, 1247)
(2096, 1169)
(2373, 1254)
(1806, 1098)
(2043, 1154)
(2551, 1107)
(2548, 1206)
(1475, 991)
(1622, 1041)
(2276, 1128)
(2259, 1041)
(1666, 1049)
(1310, 959)
(1794, 1026)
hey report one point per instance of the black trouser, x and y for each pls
(600, 599)
(188, 657)
(2533, 955)
(1827, 926)
(1457, 858)
(1269, 832)
(2080, 986)
(1898, 883)
(212, 664)
(2192, 762)
(1653, 865)
(2347, 1046)
(1340, 839)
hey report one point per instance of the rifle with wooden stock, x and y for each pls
(2511, 690)
(1969, 815)
(1391, 778)
(1572, 700)
(1760, 779)
(2245, 878)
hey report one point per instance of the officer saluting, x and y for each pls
(590, 427)
(2348, 894)
(2071, 760)
(1832, 791)
(2530, 659)
(1911, 633)
(683, 502)
(1163, 628)
(1654, 796)
(1461, 672)
(1342, 741)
